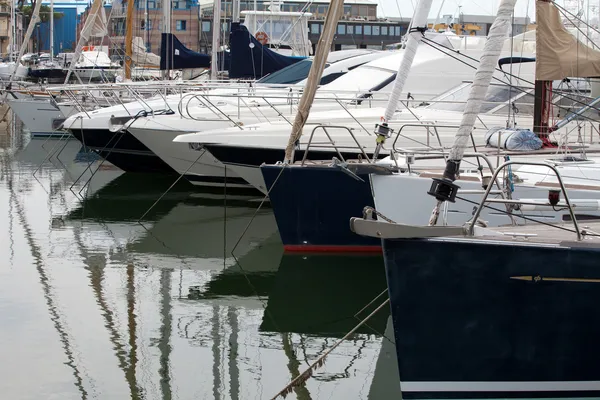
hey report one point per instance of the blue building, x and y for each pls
(65, 28)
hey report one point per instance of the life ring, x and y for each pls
(262, 38)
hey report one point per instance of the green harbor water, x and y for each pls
(195, 301)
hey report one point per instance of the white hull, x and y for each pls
(394, 194)
(203, 171)
(7, 68)
(96, 73)
(37, 115)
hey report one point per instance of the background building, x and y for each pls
(65, 27)
(359, 26)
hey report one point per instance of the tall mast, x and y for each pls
(13, 31)
(35, 16)
(416, 32)
(216, 39)
(314, 76)
(166, 5)
(129, 38)
(51, 30)
(84, 35)
(445, 189)
(146, 24)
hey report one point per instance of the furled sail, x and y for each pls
(99, 27)
(140, 56)
(559, 54)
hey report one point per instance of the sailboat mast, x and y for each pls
(95, 12)
(314, 76)
(51, 30)
(415, 34)
(216, 39)
(129, 38)
(483, 77)
(13, 31)
(444, 189)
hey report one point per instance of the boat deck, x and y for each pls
(563, 234)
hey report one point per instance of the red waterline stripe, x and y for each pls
(309, 248)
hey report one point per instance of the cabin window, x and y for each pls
(205, 26)
(368, 30)
(376, 30)
(349, 29)
(314, 29)
(341, 29)
(384, 30)
(358, 29)
(142, 24)
(290, 74)
(181, 25)
(398, 31)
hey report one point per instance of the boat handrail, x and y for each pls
(332, 142)
(484, 200)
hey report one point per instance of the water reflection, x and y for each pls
(195, 301)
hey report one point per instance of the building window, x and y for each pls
(151, 4)
(181, 25)
(368, 30)
(314, 29)
(205, 26)
(398, 31)
(341, 29)
(358, 29)
(347, 10)
(384, 30)
(376, 30)
(322, 9)
(180, 5)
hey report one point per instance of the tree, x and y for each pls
(44, 13)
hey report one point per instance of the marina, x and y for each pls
(261, 200)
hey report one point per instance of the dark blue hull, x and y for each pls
(313, 206)
(123, 150)
(489, 320)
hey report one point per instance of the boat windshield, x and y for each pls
(497, 95)
(289, 75)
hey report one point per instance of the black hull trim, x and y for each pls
(255, 157)
(123, 150)
(216, 179)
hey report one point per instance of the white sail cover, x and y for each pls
(139, 55)
(558, 53)
(99, 27)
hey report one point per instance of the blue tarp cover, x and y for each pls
(179, 56)
(253, 61)
(513, 139)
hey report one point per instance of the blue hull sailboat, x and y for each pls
(506, 312)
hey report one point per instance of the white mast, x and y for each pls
(446, 189)
(51, 30)
(35, 16)
(216, 39)
(13, 30)
(416, 32)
